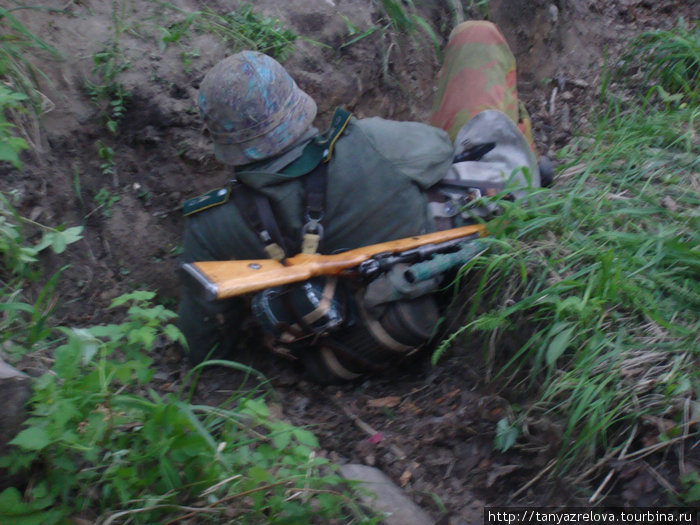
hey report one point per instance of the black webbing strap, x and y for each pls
(315, 183)
(257, 214)
(474, 152)
(315, 190)
(262, 203)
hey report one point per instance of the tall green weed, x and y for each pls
(669, 60)
(401, 18)
(23, 321)
(242, 28)
(17, 43)
(10, 144)
(597, 281)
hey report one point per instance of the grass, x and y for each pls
(20, 98)
(16, 70)
(674, 58)
(593, 285)
(401, 18)
(239, 29)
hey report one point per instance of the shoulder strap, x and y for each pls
(315, 183)
(257, 214)
(315, 192)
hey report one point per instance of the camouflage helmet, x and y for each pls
(253, 108)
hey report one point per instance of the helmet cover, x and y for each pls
(253, 108)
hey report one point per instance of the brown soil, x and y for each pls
(435, 431)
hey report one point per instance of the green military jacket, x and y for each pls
(376, 181)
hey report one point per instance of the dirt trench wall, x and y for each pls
(160, 155)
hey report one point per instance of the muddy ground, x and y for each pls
(434, 425)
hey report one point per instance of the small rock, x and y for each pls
(175, 196)
(15, 391)
(554, 13)
(385, 497)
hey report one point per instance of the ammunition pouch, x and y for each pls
(339, 336)
(301, 312)
(369, 343)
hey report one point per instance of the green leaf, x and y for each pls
(11, 502)
(281, 438)
(45, 242)
(138, 296)
(259, 474)
(15, 511)
(88, 343)
(9, 154)
(67, 359)
(58, 243)
(145, 335)
(506, 435)
(255, 407)
(692, 483)
(32, 438)
(304, 437)
(173, 333)
(12, 307)
(66, 237)
(111, 331)
(558, 345)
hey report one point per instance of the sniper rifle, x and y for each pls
(225, 279)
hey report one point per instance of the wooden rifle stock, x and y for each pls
(224, 279)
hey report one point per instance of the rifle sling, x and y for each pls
(258, 215)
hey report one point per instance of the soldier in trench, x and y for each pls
(361, 182)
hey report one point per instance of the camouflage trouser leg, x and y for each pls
(478, 74)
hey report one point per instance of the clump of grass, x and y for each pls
(238, 29)
(670, 59)
(593, 285)
(242, 28)
(20, 98)
(10, 145)
(16, 70)
(405, 20)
